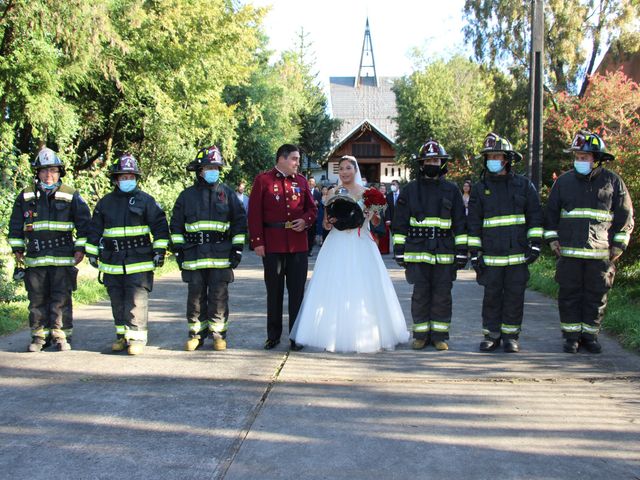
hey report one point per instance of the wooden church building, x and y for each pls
(366, 105)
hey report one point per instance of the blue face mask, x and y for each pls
(583, 168)
(50, 187)
(211, 176)
(127, 185)
(494, 166)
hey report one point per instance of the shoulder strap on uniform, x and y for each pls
(65, 193)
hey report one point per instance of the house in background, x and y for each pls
(366, 105)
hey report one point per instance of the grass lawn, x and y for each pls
(14, 315)
(623, 310)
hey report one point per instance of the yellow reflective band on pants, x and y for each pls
(421, 327)
(439, 326)
(61, 333)
(579, 327)
(40, 332)
(510, 329)
(120, 329)
(197, 327)
(217, 327)
(135, 335)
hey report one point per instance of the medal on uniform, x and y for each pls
(294, 197)
(275, 191)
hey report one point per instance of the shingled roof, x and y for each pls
(353, 104)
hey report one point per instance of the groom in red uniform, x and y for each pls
(282, 209)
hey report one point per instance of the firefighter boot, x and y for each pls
(489, 344)
(62, 345)
(193, 343)
(219, 344)
(441, 345)
(571, 345)
(119, 345)
(592, 345)
(36, 345)
(135, 348)
(419, 343)
(511, 345)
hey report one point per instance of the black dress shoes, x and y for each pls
(489, 344)
(295, 347)
(571, 346)
(269, 344)
(511, 345)
(592, 346)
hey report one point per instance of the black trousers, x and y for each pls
(208, 302)
(582, 297)
(281, 268)
(130, 304)
(311, 236)
(431, 299)
(503, 303)
(50, 305)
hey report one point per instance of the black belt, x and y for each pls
(278, 224)
(206, 236)
(126, 243)
(36, 245)
(429, 232)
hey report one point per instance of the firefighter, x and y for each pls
(208, 228)
(43, 219)
(430, 242)
(505, 234)
(589, 219)
(119, 245)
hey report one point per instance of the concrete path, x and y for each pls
(249, 413)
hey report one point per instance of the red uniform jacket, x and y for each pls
(276, 199)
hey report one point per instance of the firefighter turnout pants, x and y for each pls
(582, 297)
(503, 302)
(50, 305)
(129, 295)
(208, 301)
(431, 299)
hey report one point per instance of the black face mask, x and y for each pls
(431, 171)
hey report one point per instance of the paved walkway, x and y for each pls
(249, 413)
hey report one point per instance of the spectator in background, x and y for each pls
(317, 199)
(392, 199)
(325, 198)
(466, 194)
(382, 230)
(319, 228)
(241, 196)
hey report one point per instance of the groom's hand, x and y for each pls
(298, 225)
(259, 251)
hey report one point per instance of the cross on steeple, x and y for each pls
(367, 71)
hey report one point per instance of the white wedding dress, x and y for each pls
(350, 304)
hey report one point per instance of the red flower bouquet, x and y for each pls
(374, 200)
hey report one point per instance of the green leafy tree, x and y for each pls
(576, 32)
(456, 117)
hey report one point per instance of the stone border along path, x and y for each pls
(249, 413)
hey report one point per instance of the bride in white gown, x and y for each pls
(350, 304)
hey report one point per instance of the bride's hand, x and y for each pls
(328, 223)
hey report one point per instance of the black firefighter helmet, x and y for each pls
(345, 210)
(588, 142)
(494, 143)
(433, 149)
(206, 156)
(125, 163)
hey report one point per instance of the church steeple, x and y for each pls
(367, 70)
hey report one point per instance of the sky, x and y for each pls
(336, 30)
